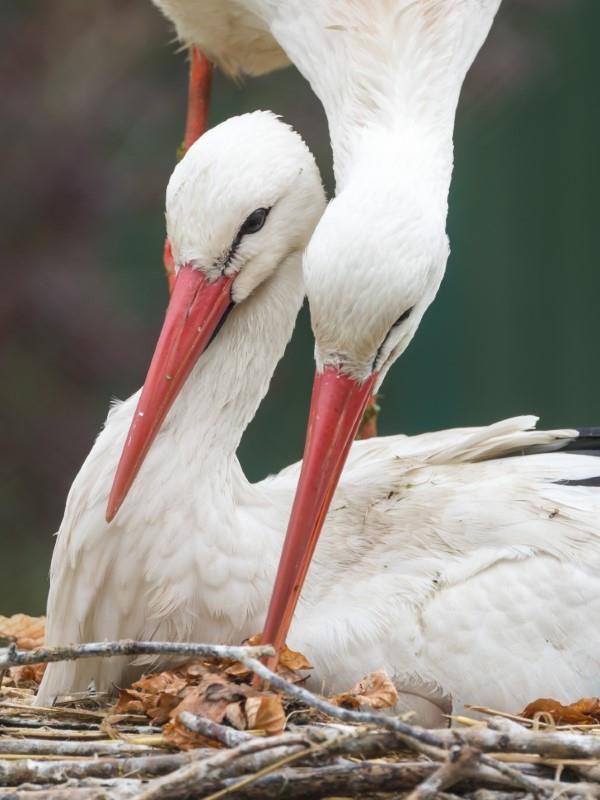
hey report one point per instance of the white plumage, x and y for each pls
(453, 560)
(232, 34)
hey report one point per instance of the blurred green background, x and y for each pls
(93, 105)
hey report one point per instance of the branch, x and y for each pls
(11, 657)
(14, 773)
(363, 779)
(30, 748)
(230, 737)
(451, 772)
(502, 735)
(229, 763)
(414, 736)
(121, 788)
(309, 744)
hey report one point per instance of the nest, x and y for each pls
(154, 744)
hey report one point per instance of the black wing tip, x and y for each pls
(587, 443)
(592, 432)
(595, 481)
(587, 440)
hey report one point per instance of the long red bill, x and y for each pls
(195, 310)
(336, 409)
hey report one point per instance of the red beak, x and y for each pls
(195, 310)
(336, 409)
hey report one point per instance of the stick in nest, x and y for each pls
(11, 657)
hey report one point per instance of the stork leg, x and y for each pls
(196, 124)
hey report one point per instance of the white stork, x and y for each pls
(464, 562)
(389, 74)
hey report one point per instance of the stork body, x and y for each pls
(464, 568)
(442, 554)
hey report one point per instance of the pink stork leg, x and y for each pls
(196, 124)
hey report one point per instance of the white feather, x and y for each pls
(453, 560)
(229, 32)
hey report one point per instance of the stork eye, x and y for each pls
(255, 221)
(399, 321)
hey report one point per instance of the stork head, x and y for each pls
(245, 196)
(372, 268)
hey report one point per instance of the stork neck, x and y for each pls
(397, 64)
(411, 164)
(223, 392)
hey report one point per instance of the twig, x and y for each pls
(41, 747)
(121, 788)
(351, 779)
(274, 765)
(305, 743)
(14, 773)
(516, 776)
(490, 794)
(411, 734)
(254, 756)
(13, 724)
(191, 777)
(230, 737)
(348, 779)
(502, 735)
(11, 657)
(337, 741)
(451, 772)
(58, 711)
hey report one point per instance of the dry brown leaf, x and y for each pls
(192, 671)
(28, 676)
(216, 699)
(254, 640)
(345, 700)
(129, 702)
(198, 686)
(235, 716)
(28, 632)
(167, 682)
(292, 659)
(160, 710)
(219, 691)
(208, 700)
(238, 671)
(176, 734)
(583, 712)
(375, 690)
(290, 675)
(265, 713)
(212, 697)
(155, 695)
(289, 662)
